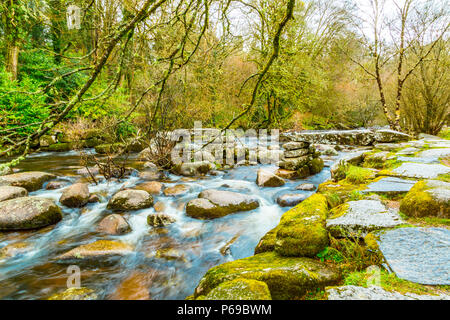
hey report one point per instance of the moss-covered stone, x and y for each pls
(316, 165)
(286, 277)
(75, 294)
(61, 147)
(267, 243)
(427, 198)
(358, 175)
(109, 148)
(302, 231)
(30, 180)
(240, 289)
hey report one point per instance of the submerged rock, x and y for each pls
(8, 192)
(302, 231)
(240, 289)
(418, 255)
(128, 200)
(427, 199)
(75, 196)
(290, 200)
(194, 168)
(14, 249)
(28, 213)
(305, 187)
(97, 252)
(358, 218)
(31, 180)
(216, 203)
(75, 294)
(152, 187)
(114, 224)
(177, 190)
(286, 278)
(159, 220)
(268, 179)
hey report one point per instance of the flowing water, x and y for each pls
(196, 245)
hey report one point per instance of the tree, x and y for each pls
(391, 41)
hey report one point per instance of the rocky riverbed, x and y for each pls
(230, 232)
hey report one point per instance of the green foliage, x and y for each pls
(445, 133)
(330, 254)
(358, 175)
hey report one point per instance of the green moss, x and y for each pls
(316, 165)
(287, 278)
(419, 203)
(75, 294)
(389, 282)
(240, 289)
(333, 199)
(445, 134)
(302, 231)
(444, 177)
(60, 147)
(358, 175)
(267, 243)
(109, 148)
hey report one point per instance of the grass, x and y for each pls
(445, 134)
(358, 175)
(444, 177)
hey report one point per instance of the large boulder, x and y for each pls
(28, 213)
(128, 200)
(8, 192)
(268, 179)
(358, 218)
(100, 251)
(152, 187)
(301, 231)
(294, 163)
(240, 289)
(75, 196)
(114, 224)
(31, 180)
(427, 198)
(217, 203)
(286, 278)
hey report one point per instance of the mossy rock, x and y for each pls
(286, 277)
(302, 230)
(240, 289)
(427, 198)
(61, 147)
(316, 165)
(75, 294)
(109, 148)
(358, 175)
(267, 243)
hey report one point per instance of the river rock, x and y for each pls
(152, 187)
(290, 200)
(375, 293)
(306, 187)
(57, 184)
(420, 170)
(75, 294)
(14, 249)
(390, 186)
(114, 224)
(287, 174)
(296, 153)
(427, 198)
(420, 255)
(128, 200)
(327, 150)
(5, 170)
(28, 213)
(268, 179)
(336, 137)
(75, 196)
(286, 278)
(151, 175)
(296, 145)
(217, 203)
(358, 218)
(435, 153)
(159, 220)
(240, 289)
(47, 140)
(8, 192)
(294, 163)
(177, 190)
(31, 180)
(194, 168)
(134, 287)
(98, 251)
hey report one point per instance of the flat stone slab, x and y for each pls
(390, 185)
(435, 153)
(420, 170)
(375, 293)
(361, 217)
(420, 255)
